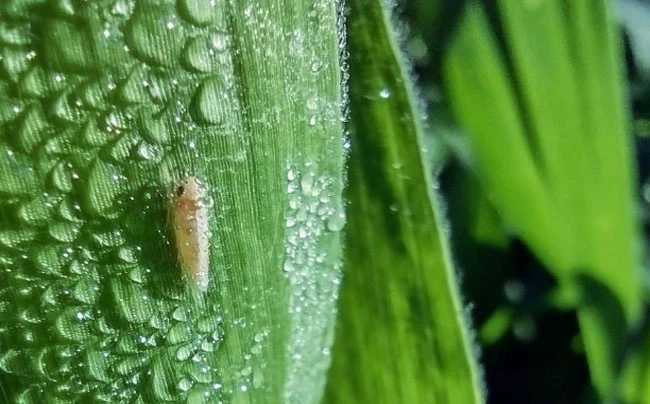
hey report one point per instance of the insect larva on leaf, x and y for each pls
(189, 217)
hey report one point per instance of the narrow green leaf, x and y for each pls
(402, 334)
(105, 106)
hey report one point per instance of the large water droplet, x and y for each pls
(134, 89)
(203, 12)
(31, 127)
(154, 129)
(131, 303)
(18, 173)
(65, 232)
(212, 103)
(179, 333)
(86, 291)
(185, 384)
(14, 238)
(203, 53)
(61, 176)
(156, 37)
(149, 152)
(50, 259)
(105, 182)
(109, 238)
(184, 352)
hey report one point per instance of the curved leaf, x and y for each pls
(402, 335)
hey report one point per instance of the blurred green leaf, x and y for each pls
(402, 334)
(549, 126)
(496, 325)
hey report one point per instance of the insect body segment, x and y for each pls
(189, 214)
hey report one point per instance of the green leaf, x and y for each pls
(105, 106)
(402, 334)
(549, 127)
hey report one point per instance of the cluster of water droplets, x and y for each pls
(313, 267)
(90, 133)
(251, 372)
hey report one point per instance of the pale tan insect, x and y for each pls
(189, 216)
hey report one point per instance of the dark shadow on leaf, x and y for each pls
(148, 228)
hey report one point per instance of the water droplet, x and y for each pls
(17, 167)
(307, 182)
(50, 259)
(73, 325)
(219, 41)
(65, 232)
(180, 314)
(105, 182)
(179, 333)
(70, 210)
(86, 291)
(385, 93)
(288, 265)
(154, 129)
(211, 103)
(185, 384)
(138, 274)
(31, 126)
(130, 302)
(128, 255)
(203, 12)
(122, 8)
(204, 53)
(291, 175)
(157, 37)
(149, 152)
(208, 324)
(336, 221)
(313, 103)
(184, 353)
(109, 238)
(61, 176)
(199, 55)
(14, 238)
(133, 90)
(317, 66)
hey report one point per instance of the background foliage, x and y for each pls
(527, 329)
